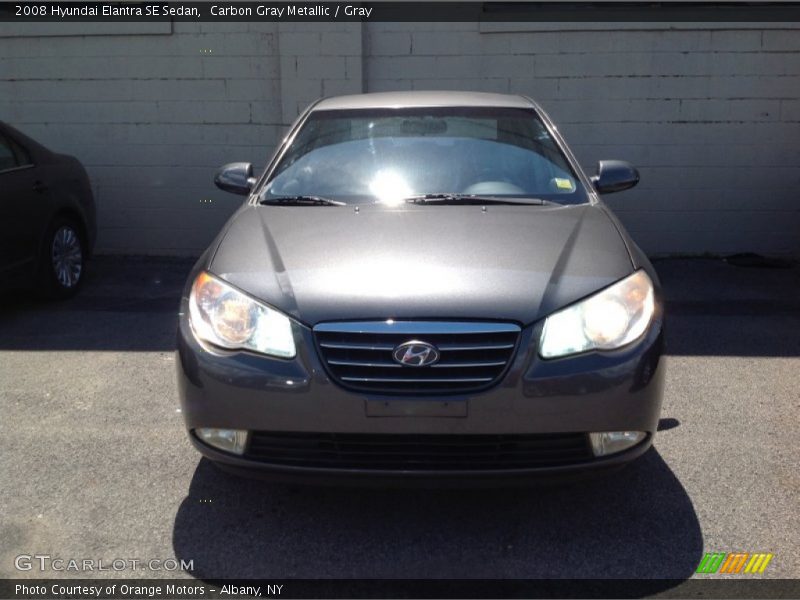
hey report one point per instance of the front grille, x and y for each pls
(419, 452)
(473, 356)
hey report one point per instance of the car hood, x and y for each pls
(514, 263)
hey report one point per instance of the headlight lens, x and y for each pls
(610, 319)
(225, 317)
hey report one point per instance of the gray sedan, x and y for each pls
(422, 287)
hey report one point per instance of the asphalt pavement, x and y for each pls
(95, 464)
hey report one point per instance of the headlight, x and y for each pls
(610, 319)
(225, 317)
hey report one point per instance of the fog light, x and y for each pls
(229, 440)
(610, 442)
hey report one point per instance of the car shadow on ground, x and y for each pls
(635, 523)
(125, 305)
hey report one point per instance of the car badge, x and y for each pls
(416, 354)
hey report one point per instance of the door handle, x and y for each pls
(38, 186)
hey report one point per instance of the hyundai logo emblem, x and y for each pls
(416, 354)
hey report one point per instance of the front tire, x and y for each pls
(64, 260)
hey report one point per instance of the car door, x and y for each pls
(23, 207)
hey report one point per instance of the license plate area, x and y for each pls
(433, 407)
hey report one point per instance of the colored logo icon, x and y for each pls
(734, 562)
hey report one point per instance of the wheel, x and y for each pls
(64, 260)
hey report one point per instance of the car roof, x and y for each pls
(422, 99)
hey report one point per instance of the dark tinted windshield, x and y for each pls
(389, 154)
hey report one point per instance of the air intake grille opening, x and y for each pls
(473, 356)
(419, 452)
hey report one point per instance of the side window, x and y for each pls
(23, 156)
(7, 158)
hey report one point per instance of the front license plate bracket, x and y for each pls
(416, 408)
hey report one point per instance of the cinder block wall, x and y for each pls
(153, 116)
(710, 116)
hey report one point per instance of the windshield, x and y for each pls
(388, 155)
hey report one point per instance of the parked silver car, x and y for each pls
(422, 286)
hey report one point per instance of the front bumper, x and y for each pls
(609, 391)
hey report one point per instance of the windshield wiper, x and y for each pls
(479, 199)
(301, 201)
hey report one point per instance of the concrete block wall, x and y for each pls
(318, 59)
(710, 116)
(151, 117)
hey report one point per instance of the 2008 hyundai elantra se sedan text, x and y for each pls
(422, 286)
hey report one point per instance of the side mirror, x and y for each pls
(236, 178)
(614, 176)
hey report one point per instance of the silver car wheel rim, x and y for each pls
(67, 256)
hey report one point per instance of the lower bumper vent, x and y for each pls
(419, 452)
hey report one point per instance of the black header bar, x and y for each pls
(665, 11)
